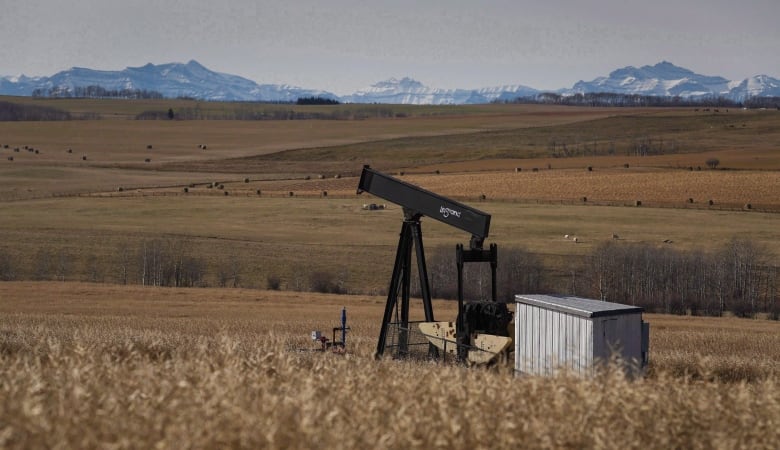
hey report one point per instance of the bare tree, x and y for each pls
(713, 163)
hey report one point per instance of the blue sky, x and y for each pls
(345, 45)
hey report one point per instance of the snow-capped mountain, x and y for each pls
(409, 91)
(171, 80)
(193, 80)
(756, 86)
(666, 79)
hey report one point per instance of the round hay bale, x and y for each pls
(638, 203)
(748, 206)
(401, 173)
(292, 194)
(626, 165)
(70, 150)
(324, 193)
(149, 147)
(590, 168)
(210, 186)
(84, 158)
(259, 192)
(307, 177)
(246, 180)
(148, 160)
(518, 169)
(204, 147)
(690, 200)
(483, 197)
(337, 176)
(437, 171)
(584, 199)
(227, 192)
(222, 186)
(321, 177)
(36, 151)
(120, 189)
(186, 189)
(710, 202)
(10, 158)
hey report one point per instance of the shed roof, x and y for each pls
(584, 307)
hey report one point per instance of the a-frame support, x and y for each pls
(411, 236)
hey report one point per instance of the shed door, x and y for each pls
(610, 337)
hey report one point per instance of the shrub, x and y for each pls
(273, 283)
(712, 163)
(324, 282)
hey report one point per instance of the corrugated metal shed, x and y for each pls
(576, 334)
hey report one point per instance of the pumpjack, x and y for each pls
(480, 332)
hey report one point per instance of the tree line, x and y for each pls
(260, 111)
(637, 100)
(95, 91)
(11, 112)
(737, 278)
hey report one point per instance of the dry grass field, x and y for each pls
(90, 365)
(86, 365)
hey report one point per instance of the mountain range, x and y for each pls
(196, 81)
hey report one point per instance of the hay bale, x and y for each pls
(70, 150)
(324, 193)
(437, 171)
(483, 197)
(748, 206)
(246, 180)
(84, 158)
(186, 190)
(626, 166)
(518, 169)
(710, 202)
(321, 177)
(584, 199)
(337, 176)
(292, 194)
(227, 192)
(690, 200)
(638, 203)
(221, 186)
(10, 158)
(307, 177)
(590, 168)
(148, 160)
(259, 192)
(149, 147)
(204, 147)
(120, 189)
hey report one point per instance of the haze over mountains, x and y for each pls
(196, 81)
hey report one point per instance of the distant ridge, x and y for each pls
(196, 81)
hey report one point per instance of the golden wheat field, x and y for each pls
(101, 366)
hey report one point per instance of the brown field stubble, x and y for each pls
(87, 365)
